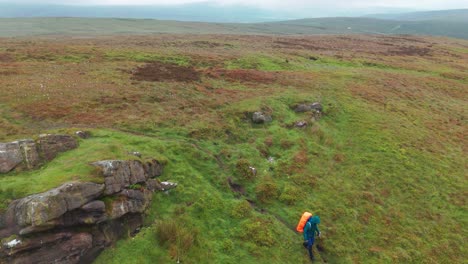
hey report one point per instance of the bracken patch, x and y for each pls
(158, 72)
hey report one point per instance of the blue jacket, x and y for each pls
(311, 227)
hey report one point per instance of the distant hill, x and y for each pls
(456, 15)
(188, 12)
(10, 27)
(201, 12)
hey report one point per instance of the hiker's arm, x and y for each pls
(317, 230)
(306, 229)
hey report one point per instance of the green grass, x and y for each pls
(384, 167)
(380, 184)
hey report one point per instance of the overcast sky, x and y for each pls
(275, 4)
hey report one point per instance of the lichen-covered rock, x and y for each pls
(301, 108)
(51, 145)
(120, 174)
(260, 118)
(29, 153)
(130, 201)
(94, 206)
(10, 156)
(153, 168)
(68, 247)
(39, 209)
(317, 107)
(153, 185)
(72, 223)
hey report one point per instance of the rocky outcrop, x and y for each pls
(75, 221)
(10, 156)
(119, 175)
(29, 154)
(50, 145)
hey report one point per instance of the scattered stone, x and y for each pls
(83, 134)
(135, 153)
(167, 185)
(271, 160)
(260, 118)
(317, 107)
(302, 108)
(253, 170)
(316, 116)
(300, 124)
(306, 107)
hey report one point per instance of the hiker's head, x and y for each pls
(314, 219)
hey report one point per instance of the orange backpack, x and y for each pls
(300, 226)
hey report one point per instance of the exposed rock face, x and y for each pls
(73, 223)
(130, 201)
(121, 174)
(260, 118)
(10, 156)
(51, 145)
(67, 248)
(28, 154)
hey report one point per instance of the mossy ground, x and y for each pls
(384, 167)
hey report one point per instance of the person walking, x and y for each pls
(310, 231)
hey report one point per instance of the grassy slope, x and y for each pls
(384, 168)
(101, 26)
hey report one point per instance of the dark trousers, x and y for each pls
(310, 243)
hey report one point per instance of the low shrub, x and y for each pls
(242, 210)
(290, 195)
(177, 237)
(258, 231)
(243, 169)
(267, 190)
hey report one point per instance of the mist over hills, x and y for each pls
(455, 15)
(202, 18)
(201, 12)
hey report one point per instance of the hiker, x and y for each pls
(310, 230)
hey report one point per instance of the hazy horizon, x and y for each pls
(213, 10)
